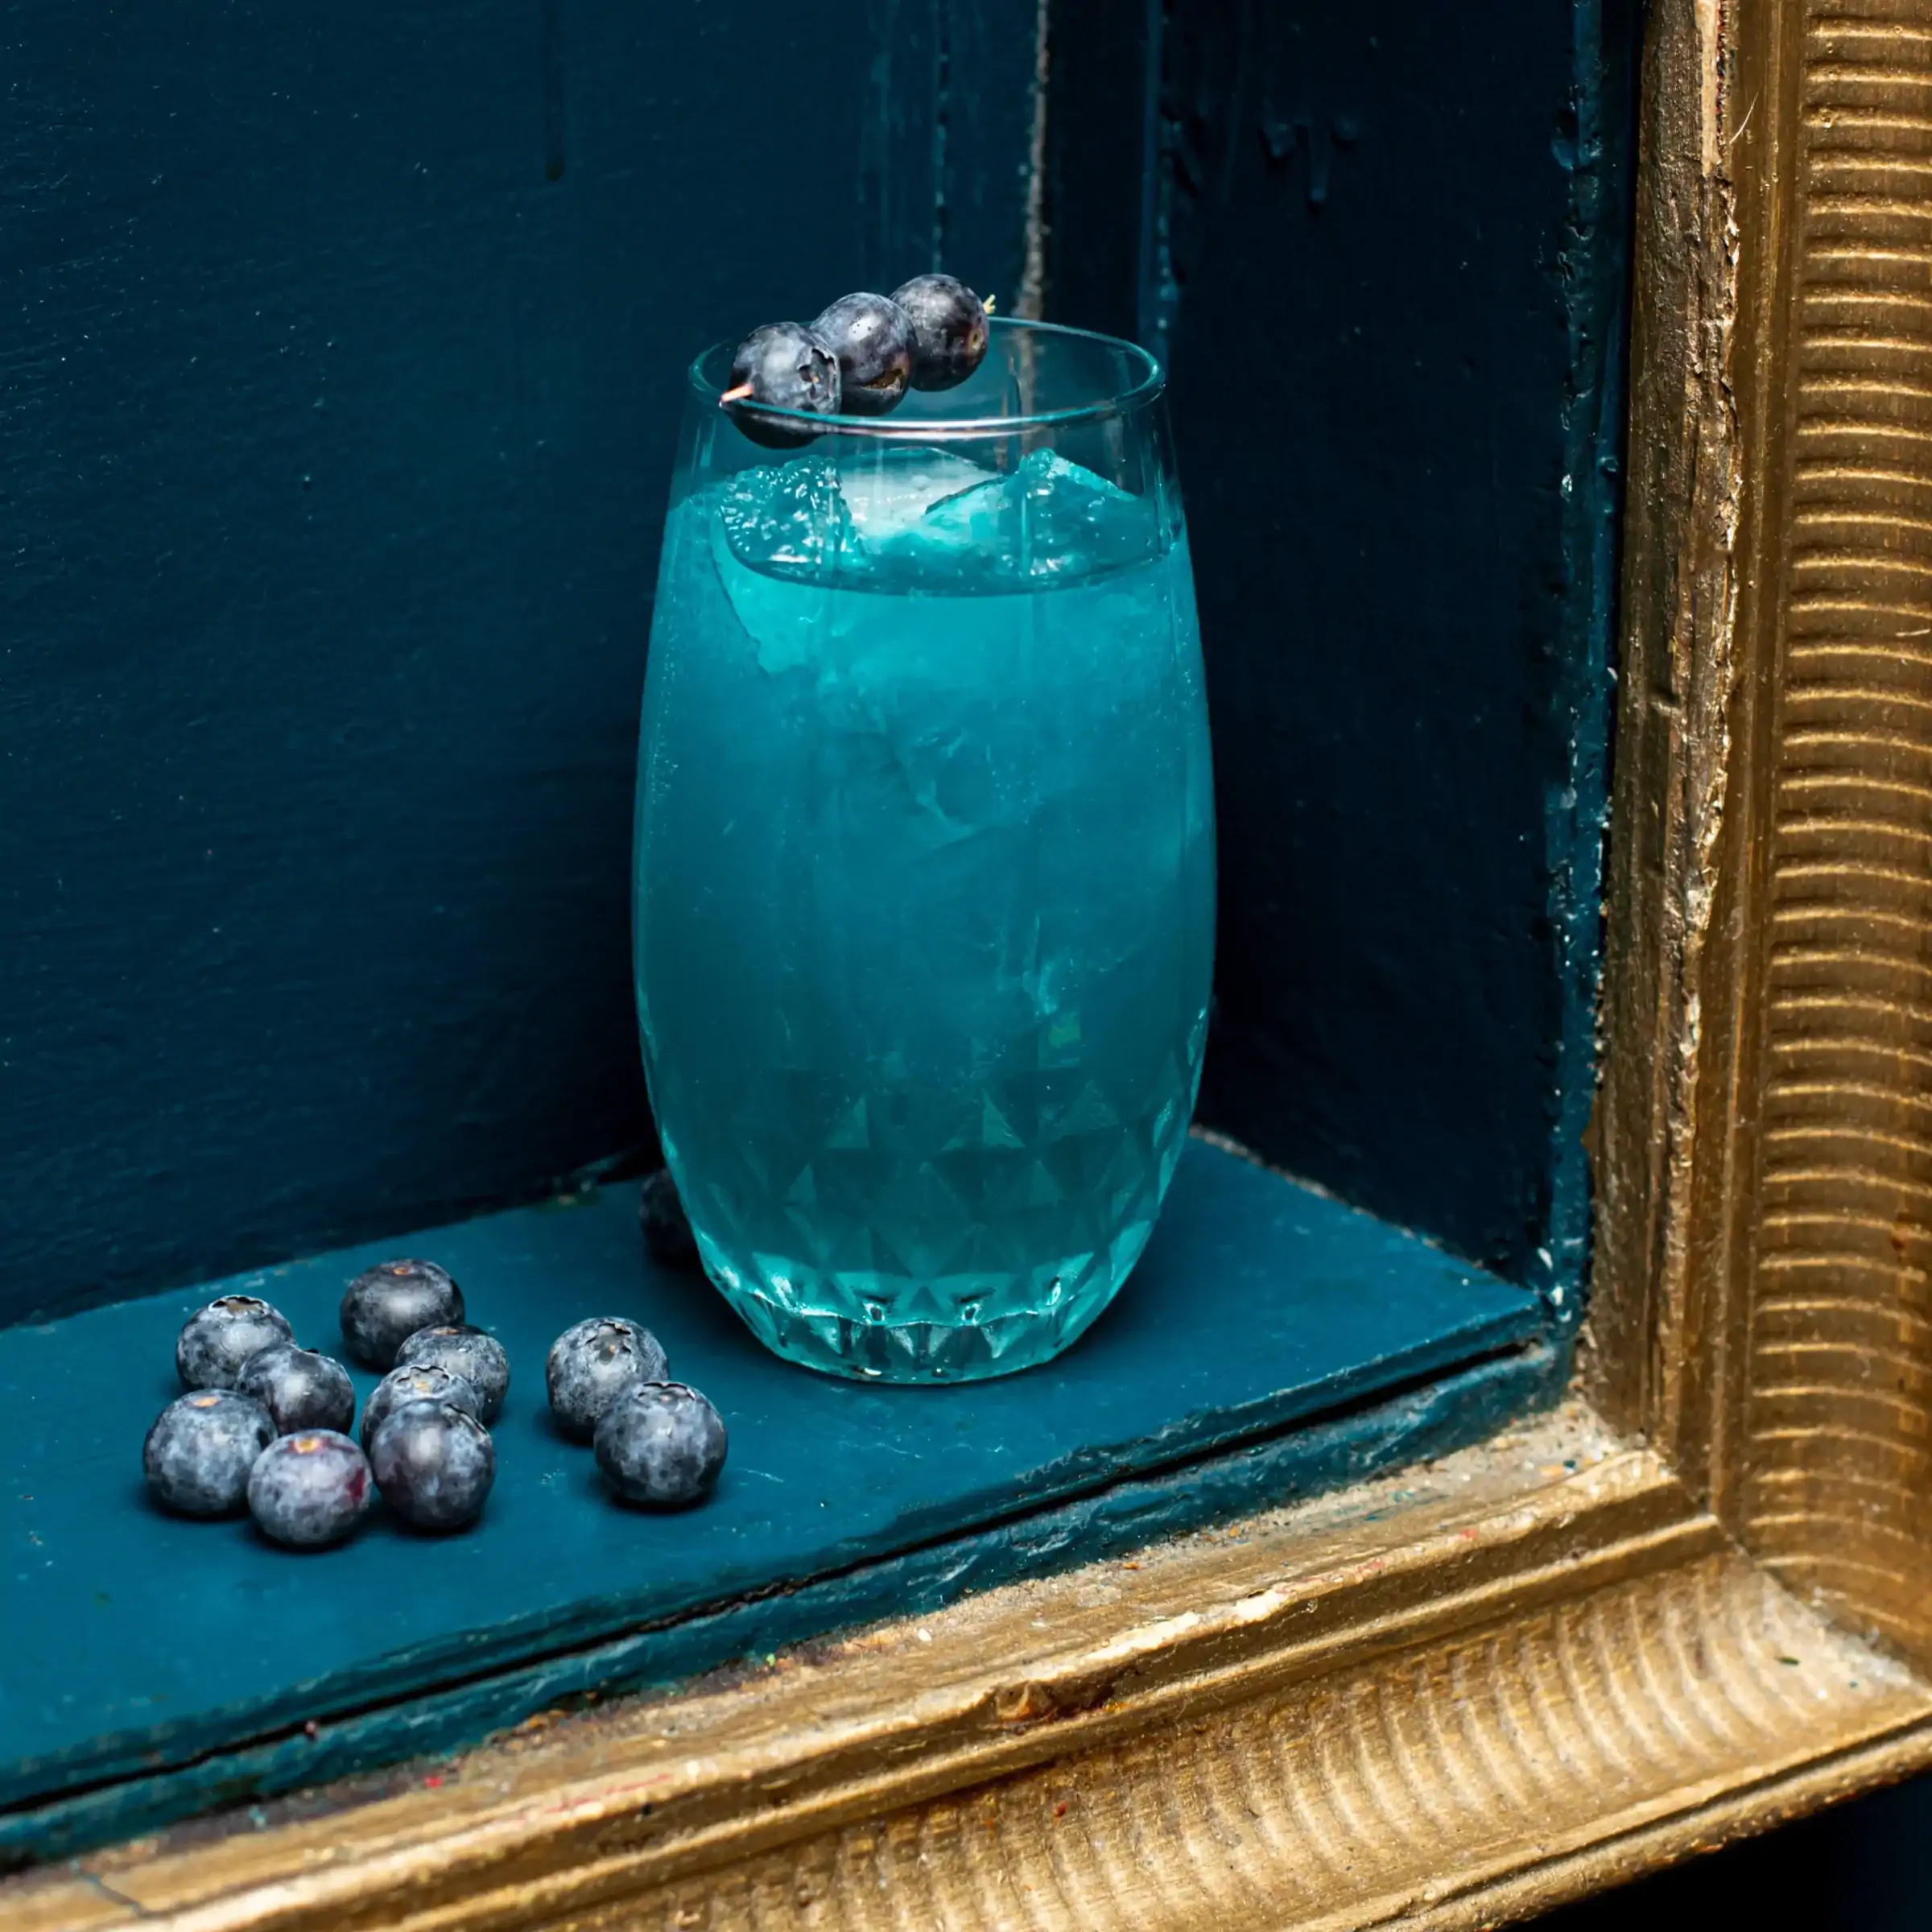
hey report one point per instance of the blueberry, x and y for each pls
(667, 1236)
(434, 1463)
(217, 1340)
(661, 1443)
(416, 1382)
(949, 325)
(198, 1455)
(873, 340)
(789, 368)
(385, 1306)
(592, 1364)
(479, 1359)
(299, 1388)
(309, 1489)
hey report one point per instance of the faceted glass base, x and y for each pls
(874, 1256)
(1008, 1326)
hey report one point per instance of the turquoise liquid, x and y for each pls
(924, 899)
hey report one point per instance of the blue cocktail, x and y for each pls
(925, 873)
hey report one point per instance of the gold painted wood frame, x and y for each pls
(1696, 1600)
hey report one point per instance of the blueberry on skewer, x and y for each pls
(948, 326)
(783, 366)
(874, 341)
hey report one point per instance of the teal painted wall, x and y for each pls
(336, 391)
(1384, 247)
(340, 350)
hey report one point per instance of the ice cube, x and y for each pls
(769, 607)
(975, 530)
(791, 519)
(888, 490)
(1076, 524)
(783, 539)
(1049, 519)
(1046, 472)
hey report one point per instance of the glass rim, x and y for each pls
(1146, 387)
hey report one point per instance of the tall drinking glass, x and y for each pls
(924, 902)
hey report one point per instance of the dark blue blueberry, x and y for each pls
(479, 1359)
(949, 325)
(385, 1306)
(434, 1463)
(416, 1382)
(309, 1489)
(216, 1341)
(667, 1236)
(198, 1455)
(873, 340)
(299, 1388)
(592, 1364)
(661, 1443)
(787, 367)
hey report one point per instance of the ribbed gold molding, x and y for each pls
(1764, 1307)
(1838, 1494)
(1405, 1789)
(1448, 1697)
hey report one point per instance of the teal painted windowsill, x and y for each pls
(1272, 1343)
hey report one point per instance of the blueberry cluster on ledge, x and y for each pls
(859, 357)
(264, 1423)
(656, 1440)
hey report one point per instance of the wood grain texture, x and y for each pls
(1444, 1699)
